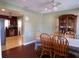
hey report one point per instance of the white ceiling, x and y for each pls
(39, 5)
(9, 12)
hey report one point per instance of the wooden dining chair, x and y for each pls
(60, 47)
(54, 38)
(70, 34)
(45, 44)
(58, 34)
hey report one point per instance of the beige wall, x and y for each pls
(48, 23)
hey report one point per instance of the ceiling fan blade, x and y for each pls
(51, 3)
(56, 4)
(46, 3)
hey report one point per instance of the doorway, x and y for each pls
(11, 32)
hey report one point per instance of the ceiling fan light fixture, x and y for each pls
(55, 8)
(46, 9)
(51, 6)
(54, 4)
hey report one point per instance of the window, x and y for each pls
(19, 23)
(7, 23)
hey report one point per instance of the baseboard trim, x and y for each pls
(30, 42)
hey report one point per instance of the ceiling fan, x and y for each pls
(50, 4)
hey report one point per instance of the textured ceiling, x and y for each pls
(40, 5)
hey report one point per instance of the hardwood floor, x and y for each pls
(15, 49)
(27, 51)
(20, 52)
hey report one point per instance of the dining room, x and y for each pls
(48, 31)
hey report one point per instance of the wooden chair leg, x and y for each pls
(54, 55)
(50, 54)
(41, 53)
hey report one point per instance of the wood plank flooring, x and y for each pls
(20, 52)
(27, 51)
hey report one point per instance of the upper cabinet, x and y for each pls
(67, 22)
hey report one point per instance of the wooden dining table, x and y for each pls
(73, 42)
(74, 46)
